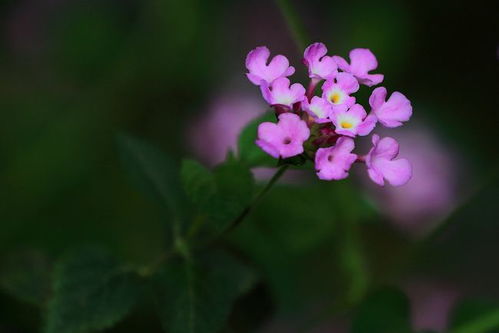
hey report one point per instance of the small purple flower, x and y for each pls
(337, 91)
(334, 162)
(353, 122)
(319, 109)
(320, 66)
(284, 139)
(381, 163)
(394, 111)
(281, 93)
(256, 63)
(361, 62)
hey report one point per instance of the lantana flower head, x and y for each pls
(394, 111)
(362, 61)
(322, 128)
(284, 139)
(259, 70)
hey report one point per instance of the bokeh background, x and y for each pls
(74, 73)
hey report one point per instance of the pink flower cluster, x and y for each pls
(322, 128)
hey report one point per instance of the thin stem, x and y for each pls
(255, 201)
(293, 23)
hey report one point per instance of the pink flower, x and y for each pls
(435, 188)
(353, 122)
(256, 63)
(281, 93)
(394, 111)
(334, 162)
(319, 109)
(337, 91)
(361, 62)
(320, 66)
(381, 164)
(284, 139)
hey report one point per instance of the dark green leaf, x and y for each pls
(472, 316)
(235, 186)
(386, 311)
(152, 171)
(199, 183)
(198, 297)
(222, 194)
(26, 276)
(91, 292)
(248, 151)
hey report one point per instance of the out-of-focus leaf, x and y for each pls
(197, 297)
(472, 316)
(222, 194)
(199, 183)
(26, 276)
(91, 292)
(248, 151)
(152, 171)
(386, 311)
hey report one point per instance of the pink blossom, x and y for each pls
(319, 109)
(353, 122)
(281, 93)
(439, 181)
(381, 163)
(361, 62)
(337, 91)
(256, 63)
(394, 111)
(334, 162)
(284, 139)
(320, 66)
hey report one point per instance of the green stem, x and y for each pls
(181, 247)
(293, 23)
(257, 199)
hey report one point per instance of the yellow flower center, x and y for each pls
(335, 98)
(346, 124)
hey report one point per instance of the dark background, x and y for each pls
(73, 73)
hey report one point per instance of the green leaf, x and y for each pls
(152, 171)
(248, 151)
(197, 297)
(473, 316)
(26, 276)
(91, 292)
(386, 311)
(222, 194)
(199, 182)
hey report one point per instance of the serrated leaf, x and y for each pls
(248, 152)
(473, 316)
(197, 297)
(91, 292)
(386, 311)
(26, 276)
(152, 171)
